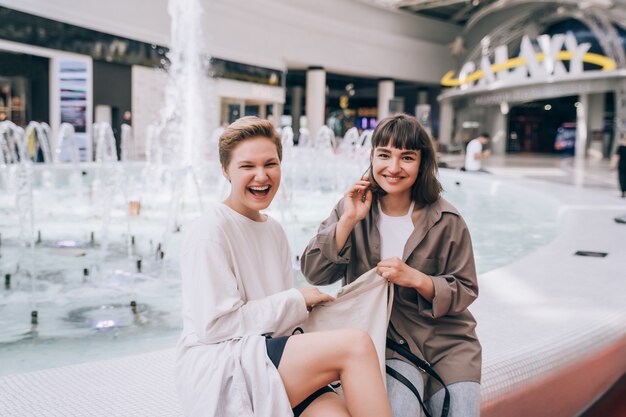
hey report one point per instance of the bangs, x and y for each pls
(401, 133)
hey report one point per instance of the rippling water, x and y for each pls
(90, 318)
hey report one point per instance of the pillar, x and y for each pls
(446, 117)
(596, 148)
(499, 130)
(315, 99)
(386, 92)
(582, 127)
(620, 116)
(423, 111)
(296, 111)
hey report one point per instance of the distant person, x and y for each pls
(127, 118)
(619, 161)
(474, 153)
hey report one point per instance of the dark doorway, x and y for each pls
(24, 88)
(112, 85)
(547, 126)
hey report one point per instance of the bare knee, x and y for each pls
(359, 345)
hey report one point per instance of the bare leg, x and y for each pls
(326, 405)
(313, 360)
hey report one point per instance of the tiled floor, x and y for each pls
(592, 173)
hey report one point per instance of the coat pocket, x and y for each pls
(429, 266)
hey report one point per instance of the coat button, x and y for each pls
(401, 341)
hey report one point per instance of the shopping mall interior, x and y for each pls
(110, 118)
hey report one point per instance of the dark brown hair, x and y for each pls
(405, 132)
(246, 128)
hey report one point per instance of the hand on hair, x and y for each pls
(357, 201)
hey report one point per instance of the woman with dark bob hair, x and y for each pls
(395, 220)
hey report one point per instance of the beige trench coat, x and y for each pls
(441, 332)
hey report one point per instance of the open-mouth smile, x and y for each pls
(260, 191)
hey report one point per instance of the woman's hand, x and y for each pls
(398, 272)
(313, 296)
(357, 202)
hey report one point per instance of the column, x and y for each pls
(499, 130)
(446, 117)
(620, 116)
(315, 99)
(596, 145)
(277, 111)
(423, 111)
(296, 111)
(386, 92)
(582, 127)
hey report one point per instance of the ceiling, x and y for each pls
(464, 12)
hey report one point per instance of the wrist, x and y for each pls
(418, 280)
(348, 221)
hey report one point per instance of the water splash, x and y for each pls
(186, 129)
(37, 138)
(66, 145)
(105, 143)
(127, 143)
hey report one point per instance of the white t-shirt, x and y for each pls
(473, 148)
(394, 232)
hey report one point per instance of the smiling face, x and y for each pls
(254, 174)
(394, 169)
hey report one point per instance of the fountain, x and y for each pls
(128, 145)
(106, 271)
(37, 139)
(351, 138)
(66, 149)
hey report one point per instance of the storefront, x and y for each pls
(57, 73)
(554, 95)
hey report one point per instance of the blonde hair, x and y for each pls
(246, 128)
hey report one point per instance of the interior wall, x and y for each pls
(343, 36)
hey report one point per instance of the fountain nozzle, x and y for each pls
(34, 317)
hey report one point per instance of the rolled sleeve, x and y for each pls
(443, 297)
(456, 287)
(328, 246)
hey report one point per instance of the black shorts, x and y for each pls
(275, 348)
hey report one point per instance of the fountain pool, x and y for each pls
(83, 293)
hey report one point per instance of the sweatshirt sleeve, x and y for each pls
(212, 301)
(458, 287)
(321, 263)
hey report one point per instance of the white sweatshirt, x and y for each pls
(237, 285)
